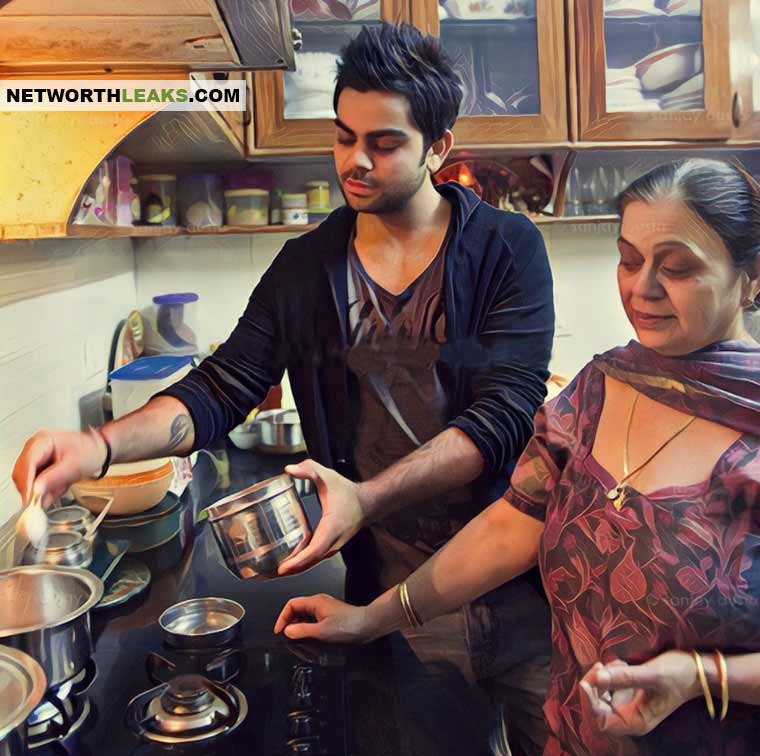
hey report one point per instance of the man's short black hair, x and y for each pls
(399, 58)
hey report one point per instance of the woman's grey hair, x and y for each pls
(722, 194)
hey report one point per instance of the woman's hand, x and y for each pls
(633, 700)
(324, 618)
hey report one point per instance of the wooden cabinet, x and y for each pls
(192, 136)
(107, 36)
(510, 57)
(91, 35)
(745, 68)
(658, 73)
(293, 110)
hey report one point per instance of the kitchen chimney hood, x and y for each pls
(113, 36)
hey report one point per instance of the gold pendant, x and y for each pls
(617, 496)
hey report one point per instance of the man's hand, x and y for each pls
(52, 460)
(342, 515)
(633, 700)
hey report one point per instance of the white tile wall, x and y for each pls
(590, 318)
(60, 302)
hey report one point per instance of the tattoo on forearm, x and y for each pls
(180, 430)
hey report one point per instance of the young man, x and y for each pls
(416, 325)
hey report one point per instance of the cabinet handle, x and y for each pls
(297, 38)
(737, 110)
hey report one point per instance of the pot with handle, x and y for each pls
(45, 612)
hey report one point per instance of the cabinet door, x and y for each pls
(293, 110)
(653, 69)
(510, 57)
(745, 68)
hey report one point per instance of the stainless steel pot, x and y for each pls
(279, 432)
(260, 527)
(45, 612)
(22, 685)
(64, 548)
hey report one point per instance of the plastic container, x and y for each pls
(126, 198)
(98, 204)
(158, 199)
(275, 207)
(200, 200)
(295, 210)
(169, 325)
(247, 207)
(318, 196)
(133, 385)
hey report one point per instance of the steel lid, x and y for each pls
(70, 517)
(61, 594)
(22, 685)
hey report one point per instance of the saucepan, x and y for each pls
(271, 432)
(45, 612)
(258, 528)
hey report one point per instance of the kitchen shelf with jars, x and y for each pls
(121, 199)
(559, 95)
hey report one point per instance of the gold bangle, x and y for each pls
(403, 597)
(723, 671)
(703, 683)
(406, 604)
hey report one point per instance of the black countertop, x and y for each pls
(394, 704)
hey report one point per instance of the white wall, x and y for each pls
(60, 301)
(590, 318)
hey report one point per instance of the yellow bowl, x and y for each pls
(132, 492)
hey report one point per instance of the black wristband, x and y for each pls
(109, 453)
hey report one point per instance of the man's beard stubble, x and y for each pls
(389, 201)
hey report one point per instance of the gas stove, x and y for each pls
(62, 714)
(276, 700)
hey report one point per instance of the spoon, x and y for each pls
(31, 527)
(90, 532)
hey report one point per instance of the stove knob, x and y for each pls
(304, 699)
(303, 747)
(303, 675)
(302, 725)
(303, 694)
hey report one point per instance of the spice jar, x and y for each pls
(295, 210)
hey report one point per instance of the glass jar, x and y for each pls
(295, 210)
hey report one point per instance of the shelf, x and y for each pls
(207, 230)
(105, 232)
(464, 22)
(573, 220)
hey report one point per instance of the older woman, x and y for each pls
(638, 495)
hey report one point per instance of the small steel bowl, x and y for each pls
(65, 549)
(70, 519)
(202, 622)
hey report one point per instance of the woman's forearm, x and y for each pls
(743, 677)
(495, 547)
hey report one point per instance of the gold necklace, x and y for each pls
(616, 494)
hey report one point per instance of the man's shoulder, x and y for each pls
(507, 223)
(328, 237)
